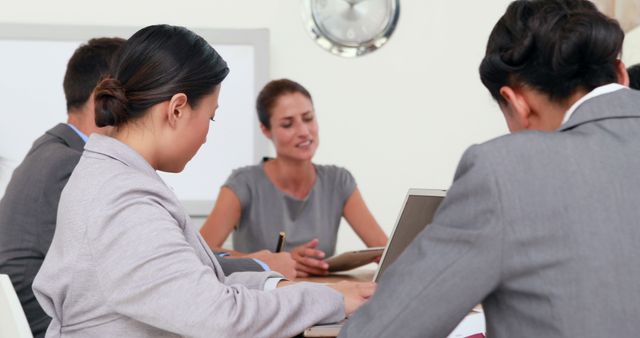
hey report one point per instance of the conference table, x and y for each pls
(471, 326)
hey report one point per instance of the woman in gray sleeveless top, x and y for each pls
(290, 193)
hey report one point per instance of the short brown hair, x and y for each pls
(87, 65)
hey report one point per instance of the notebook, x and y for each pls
(416, 213)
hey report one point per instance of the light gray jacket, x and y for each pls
(543, 228)
(125, 262)
(28, 212)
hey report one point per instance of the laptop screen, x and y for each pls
(419, 207)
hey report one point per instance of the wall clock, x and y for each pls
(351, 28)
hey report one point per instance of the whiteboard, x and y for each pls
(32, 66)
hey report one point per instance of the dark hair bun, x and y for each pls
(154, 64)
(111, 103)
(554, 46)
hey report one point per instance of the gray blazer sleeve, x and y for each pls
(165, 284)
(449, 268)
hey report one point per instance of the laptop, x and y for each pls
(417, 212)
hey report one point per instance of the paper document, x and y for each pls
(472, 324)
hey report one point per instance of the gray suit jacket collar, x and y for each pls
(607, 106)
(109, 146)
(119, 151)
(63, 132)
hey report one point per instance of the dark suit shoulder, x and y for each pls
(37, 181)
(63, 133)
(50, 158)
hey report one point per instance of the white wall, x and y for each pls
(398, 118)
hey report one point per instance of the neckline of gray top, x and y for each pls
(294, 205)
(315, 184)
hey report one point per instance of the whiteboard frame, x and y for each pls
(257, 38)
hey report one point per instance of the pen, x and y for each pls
(280, 242)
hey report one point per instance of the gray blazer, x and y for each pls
(543, 228)
(28, 216)
(125, 262)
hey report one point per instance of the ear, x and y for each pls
(265, 131)
(623, 75)
(516, 109)
(177, 108)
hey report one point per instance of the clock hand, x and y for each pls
(353, 2)
(352, 13)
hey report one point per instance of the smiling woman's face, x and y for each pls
(294, 128)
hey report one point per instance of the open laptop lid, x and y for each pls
(417, 211)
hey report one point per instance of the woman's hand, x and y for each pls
(280, 262)
(309, 260)
(355, 294)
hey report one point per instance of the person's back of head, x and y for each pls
(556, 47)
(88, 64)
(156, 63)
(634, 76)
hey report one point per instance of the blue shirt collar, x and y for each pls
(81, 134)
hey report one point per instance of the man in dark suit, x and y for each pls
(30, 203)
(29, 206)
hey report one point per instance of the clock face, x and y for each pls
(352, 27)
(351, 22)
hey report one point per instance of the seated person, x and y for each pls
(540, 226)
(38, 181)
(124, 259)
(290, 193)
(36, 184)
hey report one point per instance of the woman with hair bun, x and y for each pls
(540, 226)
(124, 259)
